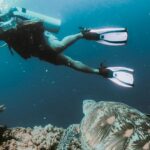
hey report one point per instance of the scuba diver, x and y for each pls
(30, 35)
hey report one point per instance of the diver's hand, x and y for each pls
(2, 108)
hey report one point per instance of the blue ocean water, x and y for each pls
(38, 93)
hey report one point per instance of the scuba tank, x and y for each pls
(50, 24)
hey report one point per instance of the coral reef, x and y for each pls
(2, 127)
(70, 139)
(38, 138)
(106, 125)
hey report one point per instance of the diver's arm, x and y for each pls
(74, 64)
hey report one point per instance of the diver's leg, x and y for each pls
(76, 65)
(60, 46)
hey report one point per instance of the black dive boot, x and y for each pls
(88, 35)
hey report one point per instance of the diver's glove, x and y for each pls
(89, 35)
(120, 75)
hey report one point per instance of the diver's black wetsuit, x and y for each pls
(28, 40)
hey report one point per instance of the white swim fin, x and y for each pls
(112, 36)
(120, 75)
(106, 36)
